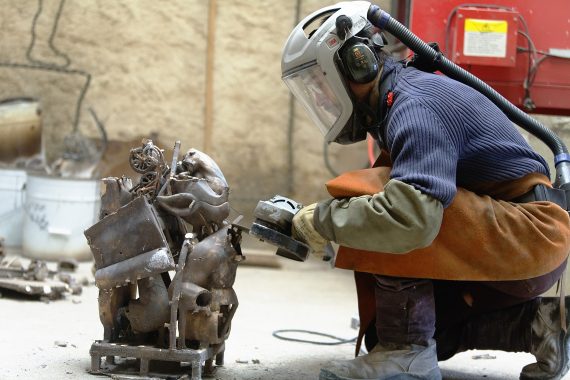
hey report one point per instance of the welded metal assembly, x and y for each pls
(166, 261)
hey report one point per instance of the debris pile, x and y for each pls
(35, 279)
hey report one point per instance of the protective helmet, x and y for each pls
(321, 53)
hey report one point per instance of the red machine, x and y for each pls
(519, 47)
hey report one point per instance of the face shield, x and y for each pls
(310, 69)
(310, 87)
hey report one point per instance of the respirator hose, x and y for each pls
(384, 21)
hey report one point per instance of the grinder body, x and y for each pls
(273, 224)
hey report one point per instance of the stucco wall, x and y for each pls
(147, 60)
(148, 63)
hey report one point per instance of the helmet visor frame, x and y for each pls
(310, 87)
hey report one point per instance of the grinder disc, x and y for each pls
(287, 246)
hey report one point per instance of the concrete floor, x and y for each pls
(51, 340)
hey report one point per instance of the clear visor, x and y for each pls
(312, 90)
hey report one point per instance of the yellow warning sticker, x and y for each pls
(485, 38)
(485, 26)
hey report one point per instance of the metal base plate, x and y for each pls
(287, 246)
(145, 354)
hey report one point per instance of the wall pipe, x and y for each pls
(290, 186)
(209, 95)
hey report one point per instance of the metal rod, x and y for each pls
(210, 50)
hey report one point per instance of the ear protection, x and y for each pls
(358, 59)
(359, 62)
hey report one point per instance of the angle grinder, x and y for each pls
(273, 224)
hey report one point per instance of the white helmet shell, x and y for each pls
(308, 65)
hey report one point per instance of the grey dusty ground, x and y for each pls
(51, 340)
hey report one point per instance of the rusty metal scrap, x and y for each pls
(167, 239)
(128, 245)
(148, 160)
(36, 279)
(194, 201)
(198, 193)
(140, 267)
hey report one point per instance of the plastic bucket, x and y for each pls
(57, 211)
(12, 183)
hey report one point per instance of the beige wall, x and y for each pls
(148, 60)
(148, 63)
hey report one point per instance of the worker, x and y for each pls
(450, 239)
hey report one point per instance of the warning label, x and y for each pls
(485, 38)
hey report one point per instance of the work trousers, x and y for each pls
(416, 310)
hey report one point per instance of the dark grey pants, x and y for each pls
(416, 310)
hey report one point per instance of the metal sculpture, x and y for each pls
(168, 240)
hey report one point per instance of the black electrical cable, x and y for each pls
(542, 52)
(527, 101)
(531, 47)
(533, 69)
(337, 340)
(51, 37)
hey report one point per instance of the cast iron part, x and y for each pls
(273, 224)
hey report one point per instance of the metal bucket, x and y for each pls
(57, 211)
(12, 183)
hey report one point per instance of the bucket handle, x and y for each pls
(23, 194)
(59, 231)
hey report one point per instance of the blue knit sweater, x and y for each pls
(442, 134)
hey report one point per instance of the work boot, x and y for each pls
(549, 343)
(506, 329)
(388, 361)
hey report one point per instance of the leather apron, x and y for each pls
(482, 237)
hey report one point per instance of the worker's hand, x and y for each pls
(304, 230)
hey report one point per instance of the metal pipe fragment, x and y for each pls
(193, 297)
(138, 267)
(151, 310)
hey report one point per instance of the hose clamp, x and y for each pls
(378, 21)
(562, 157)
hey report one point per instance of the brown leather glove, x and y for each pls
(304, 230)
